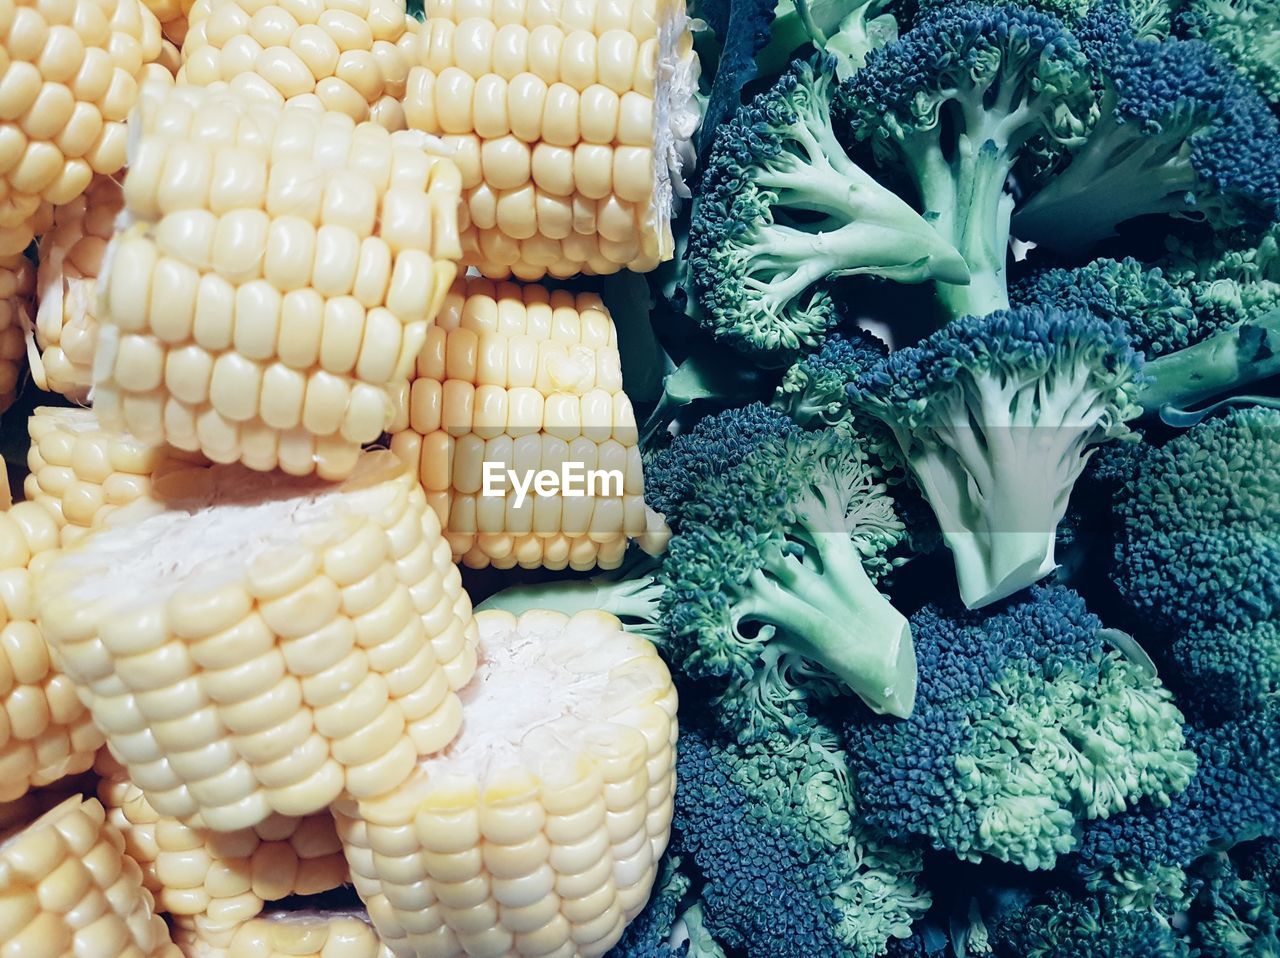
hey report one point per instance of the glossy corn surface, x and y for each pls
(17, 290)
(308, 935)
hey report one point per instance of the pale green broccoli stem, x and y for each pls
(634, 601)
(1231, 359)
(836, 618)
(853, 37)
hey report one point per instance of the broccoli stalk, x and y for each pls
(848, 31)
(632, 594)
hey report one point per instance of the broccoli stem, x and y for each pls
(833, 615)
(635, 601)
(1231, 359)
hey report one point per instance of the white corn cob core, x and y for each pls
(527, 380)
(308, 934)
(71, 77)
(263, 644)
(212, 883)
(45, 731)
(69, 889)
(278, 281)
(81, 473)
(538, 831)
(347, 56)
(70, 260)
(17, 284)
(570, 121)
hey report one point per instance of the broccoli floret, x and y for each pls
(952, 103)
(1179, 132)
(1025, 725)
(995, 417)
(783, 211)
(1244, 32)
(1197, 528)
(846, 29)
(771, 583)
(775, 884)
(814, 390)
(1227, 671)
(1237, 907)
(1065, 925)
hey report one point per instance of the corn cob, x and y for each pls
(518, 377)
(259, 645)
(17, 285)
(70, 259)
(69, 889)
(288, 934)
(278, 283)
(349, 56)
(81, 474)
(71, 77)
(212, 883)
(538, 831)
(570, 120)
(45, 731)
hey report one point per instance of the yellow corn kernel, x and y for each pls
(70, 259)
(308, 934)
(512, 377)
(539, 831)
(69, 889)
(17, 289)
(571, 122)
(173, 15)
(242, 640)
(267, 302)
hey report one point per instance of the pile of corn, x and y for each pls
(239, 247)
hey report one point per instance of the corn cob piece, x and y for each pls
(70, 259)
(523, 379)
(81, 474)
(45, 731)
(570, 119)
(278, 283)
(71, 77)
(257, 645)
(538, 831)
(307, 934)
(17, 286)
(349, 56)
(69, 889)
(212, 883)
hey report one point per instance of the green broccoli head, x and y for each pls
(1061, 924)
(1237, 907)
(1227, 671)
(995, 417)
(1246, 33)
(813, 391)
(784, 211)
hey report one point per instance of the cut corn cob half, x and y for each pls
(278, 281)
(308, 934)
(256, 645)
(80, 473)
(45, 731)
(70, 78)
(348, 56)
(70, 260)
(523, 379)
(538, 831)
(212, 883)
(69, 889)
(570, 121)
(17, 288)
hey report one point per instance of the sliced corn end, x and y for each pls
(277, 283)
(257, 645)
(46, 733)
(308, 934)
(70, 260)
(80, 473)
(347, 56)
(17, 290)
(518, 379)
(71, 76)
(212, 883)
(570, 120)
(69, 889)
(537, 832)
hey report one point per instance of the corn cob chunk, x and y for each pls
(81, 474)
(70, 79)
(69, 889)
(349, 56)
(570, 119)
(523, 379)
(231, 324)
(45, 731)
(17, 284)
(212, 883)
(538, 831)
(308, 934)
(257, 645)
(70, 259)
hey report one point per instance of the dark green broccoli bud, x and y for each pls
(1227, 671)
(1025, 725)
(1179, 132)
(1244, 32)
(952, 103)
(995, 417)
(1237, 908)
(1063, 925)
(771, 583)
(783, 211)
(1197, 528)
(814, 390)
